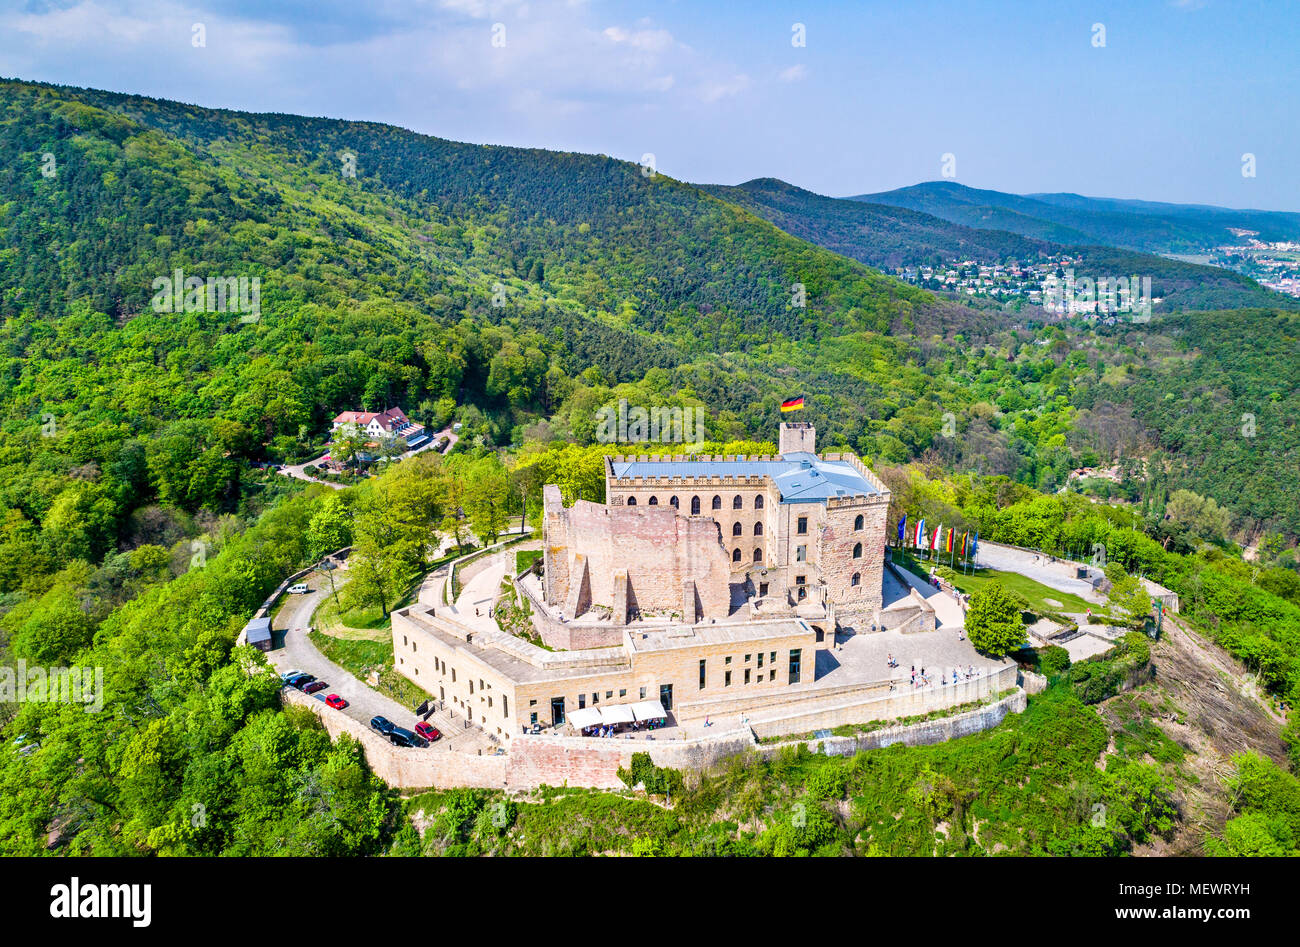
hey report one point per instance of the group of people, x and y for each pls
(923, 679)
(612, 730)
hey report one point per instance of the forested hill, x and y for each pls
(1147, 226)
(890, 236)
(520, 288)
(876, 234)
(589, 234)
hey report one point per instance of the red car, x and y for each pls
(335, 701)
(428, 731)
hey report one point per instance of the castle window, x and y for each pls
(857, 551)
(758, 529)
(735, 529)
(695, 506)
(717, 502)
(736, 502)
(758, 555)
(802, 526)
(672, 501)
(758, 502)
(654, 501)
(800, 553)
(631, 501)
(856, 580)
(857, 523)
(735, 556)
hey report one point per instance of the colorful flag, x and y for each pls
(902, 525)
(919, 539)
(951, 533)
(793, 404)
(964, 538)
(934, 540)
(974, 544)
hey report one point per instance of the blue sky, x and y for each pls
(1016, 91)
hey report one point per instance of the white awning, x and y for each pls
(617, 713)
(649, 710)
(585, 717)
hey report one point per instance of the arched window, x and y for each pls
(857, 551)
(857, 579)
(758, 555)
(736, 502)
(695, 506)
(631, 501)
(857, 523)
(758, 529)
(654, 501)
(735, 529)
(735, 556)
(717, 502)
(758, 502)
(672, 501)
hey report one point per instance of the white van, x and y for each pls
(299, 589)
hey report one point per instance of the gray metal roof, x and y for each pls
(259, 629)
(800, 477)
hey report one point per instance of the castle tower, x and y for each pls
(797, 436)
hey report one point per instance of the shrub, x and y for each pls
(657, 780)
(993, 620)
(1053, 659)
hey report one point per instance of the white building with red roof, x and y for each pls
(377, 424)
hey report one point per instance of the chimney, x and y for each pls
(797, 436)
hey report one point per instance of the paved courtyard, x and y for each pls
(1054, 573)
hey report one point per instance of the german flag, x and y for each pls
(793, 404)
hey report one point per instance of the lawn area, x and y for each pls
(359, 657)
(525, 558)
(1034, 592)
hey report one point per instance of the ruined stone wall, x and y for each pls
(656, 547)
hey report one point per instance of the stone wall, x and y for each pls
(658, 549)
(905, 702)
(855, 602)
(925, 733)
(532, 761)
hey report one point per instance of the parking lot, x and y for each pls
(295, 651)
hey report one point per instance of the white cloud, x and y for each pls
(713, 91)
(794, 73)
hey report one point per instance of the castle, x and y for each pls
(702, 585)
(704, 537)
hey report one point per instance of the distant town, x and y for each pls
(1275, 265)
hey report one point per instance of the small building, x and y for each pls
(258, 633)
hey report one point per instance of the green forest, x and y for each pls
(514, 292)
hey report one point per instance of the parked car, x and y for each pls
(381, 725)
(400, 736)
(335, 701)
(427, 730)
(287, 676)
(299, 589)
(312, 687)
(298, 680)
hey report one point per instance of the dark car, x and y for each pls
(298, 680)
(312, 687)
(381, 725)
(400, 736)
(428, 731)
